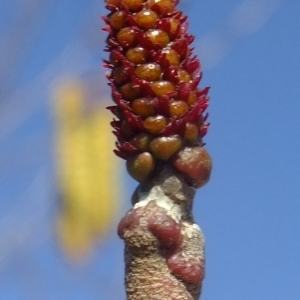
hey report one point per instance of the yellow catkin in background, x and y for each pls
(88, 171)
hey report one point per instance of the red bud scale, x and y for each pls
(159, 108)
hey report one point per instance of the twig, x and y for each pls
(159, 128)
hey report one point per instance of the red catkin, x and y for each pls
(154, 79)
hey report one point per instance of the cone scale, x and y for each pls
(160, 121)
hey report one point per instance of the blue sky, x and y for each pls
(250, 210)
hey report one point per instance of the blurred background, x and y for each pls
(62, 191)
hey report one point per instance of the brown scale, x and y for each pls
(157, 37)
(149, 71)
(149, 63)
(191, 132)
(127, 37)
(133, 5)
(118, 20)
(141, 141)
(161, 87)
(154, 124)
(171, 56)
(178, 108)
(137, 55)
(130, 91)
(143, 107)
(121, 75)
(141, 165)
(146, 18)
(164, 147)
(161, 6)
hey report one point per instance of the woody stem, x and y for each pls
(164, 248)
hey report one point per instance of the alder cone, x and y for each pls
(154, 80)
